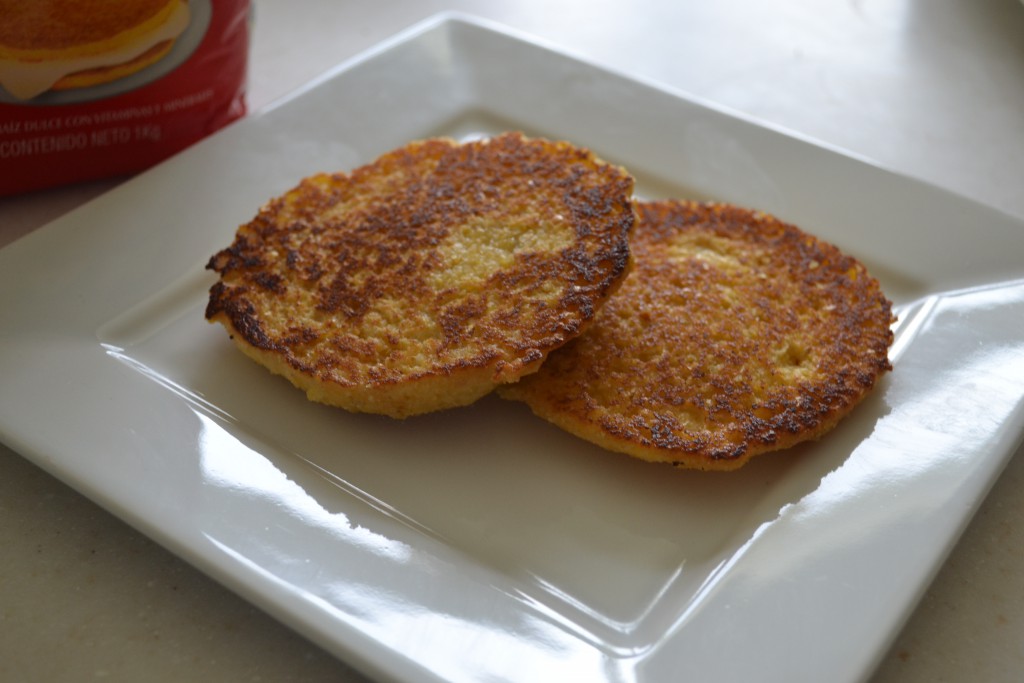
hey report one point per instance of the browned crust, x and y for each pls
(59, 24)
(363, 288)
(735, 334)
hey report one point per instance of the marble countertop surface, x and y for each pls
(931, 89)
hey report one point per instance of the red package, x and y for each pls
(99, 88)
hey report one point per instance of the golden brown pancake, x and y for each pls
(734, 335)
(62, 44)
(426, 278)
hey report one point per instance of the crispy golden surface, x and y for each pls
(735, 334)
(423, 280)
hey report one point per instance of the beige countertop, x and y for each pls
(934, 90)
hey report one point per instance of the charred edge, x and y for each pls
(242, 316)
(233, 258)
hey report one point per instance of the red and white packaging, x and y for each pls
(76, 105)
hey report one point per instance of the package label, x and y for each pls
(100, 88)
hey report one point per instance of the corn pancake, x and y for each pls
(64, 44)
(423, 280)
(734, 335)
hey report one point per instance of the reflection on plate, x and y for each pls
(483, 543)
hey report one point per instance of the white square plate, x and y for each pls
(482, 543)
